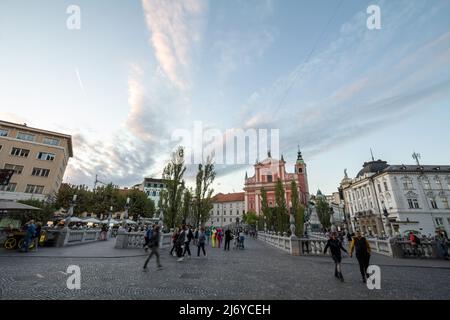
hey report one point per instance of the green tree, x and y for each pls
(186, 211)
(203, 192)
(43, 215)
(251, 218)
(171, 198)
(140, 204)
(323, 211)
(281, 209)
(297, 209)
(266, 211)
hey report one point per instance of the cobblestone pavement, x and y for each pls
(258, 272)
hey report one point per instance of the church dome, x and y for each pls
(372, 167)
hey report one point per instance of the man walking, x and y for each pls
(180, 242)
(201, 241)
(227, 239)
(154, 247)
(188, 237)
(362, 250)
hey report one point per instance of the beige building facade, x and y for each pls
(38, 158)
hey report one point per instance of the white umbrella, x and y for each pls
(110, 221)
(74, 219)
(93, 220)
(130, 221)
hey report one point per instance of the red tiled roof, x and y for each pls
(229, 197)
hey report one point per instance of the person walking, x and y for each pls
(154, 247)
(227, 239)
(241, 239)
(442, 244)
(362, 250)
(219, 236)
(175, 235)
(147, 237)
(180, 242)
(213, 238)
(196, 236)
(201, 241)
(187, 241)
(335, 246)
(30, 233)
(208, 235)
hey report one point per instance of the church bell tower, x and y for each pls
(302, 178)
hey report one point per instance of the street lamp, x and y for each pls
(161, 218)
(332, 221)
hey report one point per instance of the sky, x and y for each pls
(136, 72)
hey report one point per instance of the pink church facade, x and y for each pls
(266, 175)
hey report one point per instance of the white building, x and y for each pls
(226, 209)
(152, 187)
(413, 197)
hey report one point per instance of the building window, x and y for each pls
(433, 203)
(31, 188)
(161, 186)
(408, 184)
(379, 188)
(1, 147)
(18, 152)
(413, 204)
(426, 185)
(439, 221)
(269, 178)
(51, 141)
(368, 191)
(46, 156)
(17, 169)
(217, 219)
(445, 202)
(362, 192)
(39, 172)
(26, 136)
(385, 186)
(3, 133)
(9, 188)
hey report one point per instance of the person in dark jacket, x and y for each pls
(362, 250)
(175, 235)
(227, 239)
(154, 247)
(335, 246)
(180, 242)
(187, 241)
(201, 241)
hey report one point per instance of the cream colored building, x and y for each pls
(38, 157)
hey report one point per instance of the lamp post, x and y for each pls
(72, 204)
(332, 221)
(387, 226)
(161, 219)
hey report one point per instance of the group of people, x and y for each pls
(359, 245)
(182, 238)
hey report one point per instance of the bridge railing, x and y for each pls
(129, 240)
(279, 241)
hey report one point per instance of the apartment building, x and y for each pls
(38, 158)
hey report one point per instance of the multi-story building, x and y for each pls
(227, 208)
(152, 187)
(266, 175)
(38, 158)
(411, 197)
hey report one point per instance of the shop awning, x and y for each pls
(15, 206)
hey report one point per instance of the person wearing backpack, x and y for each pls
(154, 247)
(180, 242)
(201, 241)
(362, 250)
(187, 241)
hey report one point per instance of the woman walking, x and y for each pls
(335, 247)
(213, 238)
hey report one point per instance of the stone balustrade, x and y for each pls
(276, 240)
(128, 240)
(68, 237)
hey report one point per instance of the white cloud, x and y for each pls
(174, 26)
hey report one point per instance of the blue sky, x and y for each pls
(138, 70)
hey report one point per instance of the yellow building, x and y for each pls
(38, 157)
